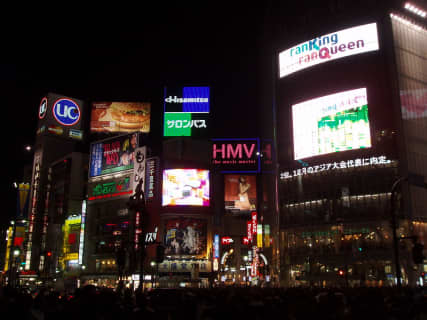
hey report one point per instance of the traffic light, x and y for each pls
(160, 253)
(417, 253)
(48, 253)
(341, 272)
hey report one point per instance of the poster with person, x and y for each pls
(113, 155)
(240, 193)
(185, 236)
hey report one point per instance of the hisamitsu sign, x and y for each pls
(329, 47)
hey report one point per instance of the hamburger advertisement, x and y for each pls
(120, 117)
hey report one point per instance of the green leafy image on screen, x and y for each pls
(345, 130)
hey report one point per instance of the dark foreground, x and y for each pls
(219, 303)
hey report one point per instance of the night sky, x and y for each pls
(125, 55)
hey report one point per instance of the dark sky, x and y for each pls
(124, 55)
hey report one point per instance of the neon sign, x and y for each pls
(236, 155)
(110, 189)
(226, 240)
(66, 111)
(216, 247)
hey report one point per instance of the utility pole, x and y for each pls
(137, 204)
(394, 231)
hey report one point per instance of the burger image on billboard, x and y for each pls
(120, 117)
(129, 115)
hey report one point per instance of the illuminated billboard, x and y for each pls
(120, 117)
(240, 193)
(71, 231)
(332, 123)
(60, 116)
(110, 189)
(185, 187)
(186, 111)
(113, 155)
(185, 236)
(236, 155)
(328, 47)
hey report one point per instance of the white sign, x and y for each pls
(139, 167)
(381, 160)
(329, 47)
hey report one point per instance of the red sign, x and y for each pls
(254, 269)
(249, 230)
(254, 223)
(28, 272)
(245, 241)
(226, 240)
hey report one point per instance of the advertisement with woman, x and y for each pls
(240, 193)
(113, 155)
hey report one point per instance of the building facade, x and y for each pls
(350, 101)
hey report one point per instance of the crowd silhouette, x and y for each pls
(90, 302)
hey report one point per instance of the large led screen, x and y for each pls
(120, 117)
(328, 47)
(185, 187)
(332, 123)
(185, 236)
(240, 193)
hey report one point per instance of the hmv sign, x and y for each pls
(236, 155)
(60, 116)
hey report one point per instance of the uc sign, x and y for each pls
(66, 111)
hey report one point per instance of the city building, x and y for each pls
(350, 97)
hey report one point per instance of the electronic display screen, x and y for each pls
(331, 123)
(185, 187)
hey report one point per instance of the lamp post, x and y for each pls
(137, 204)
(394, 231)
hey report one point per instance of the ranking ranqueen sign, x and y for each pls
(328, 47)
(236, 155)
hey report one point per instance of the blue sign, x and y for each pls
(66, 112)
(96, 159)
(196, 99)
(187, 99)
(216, 246)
